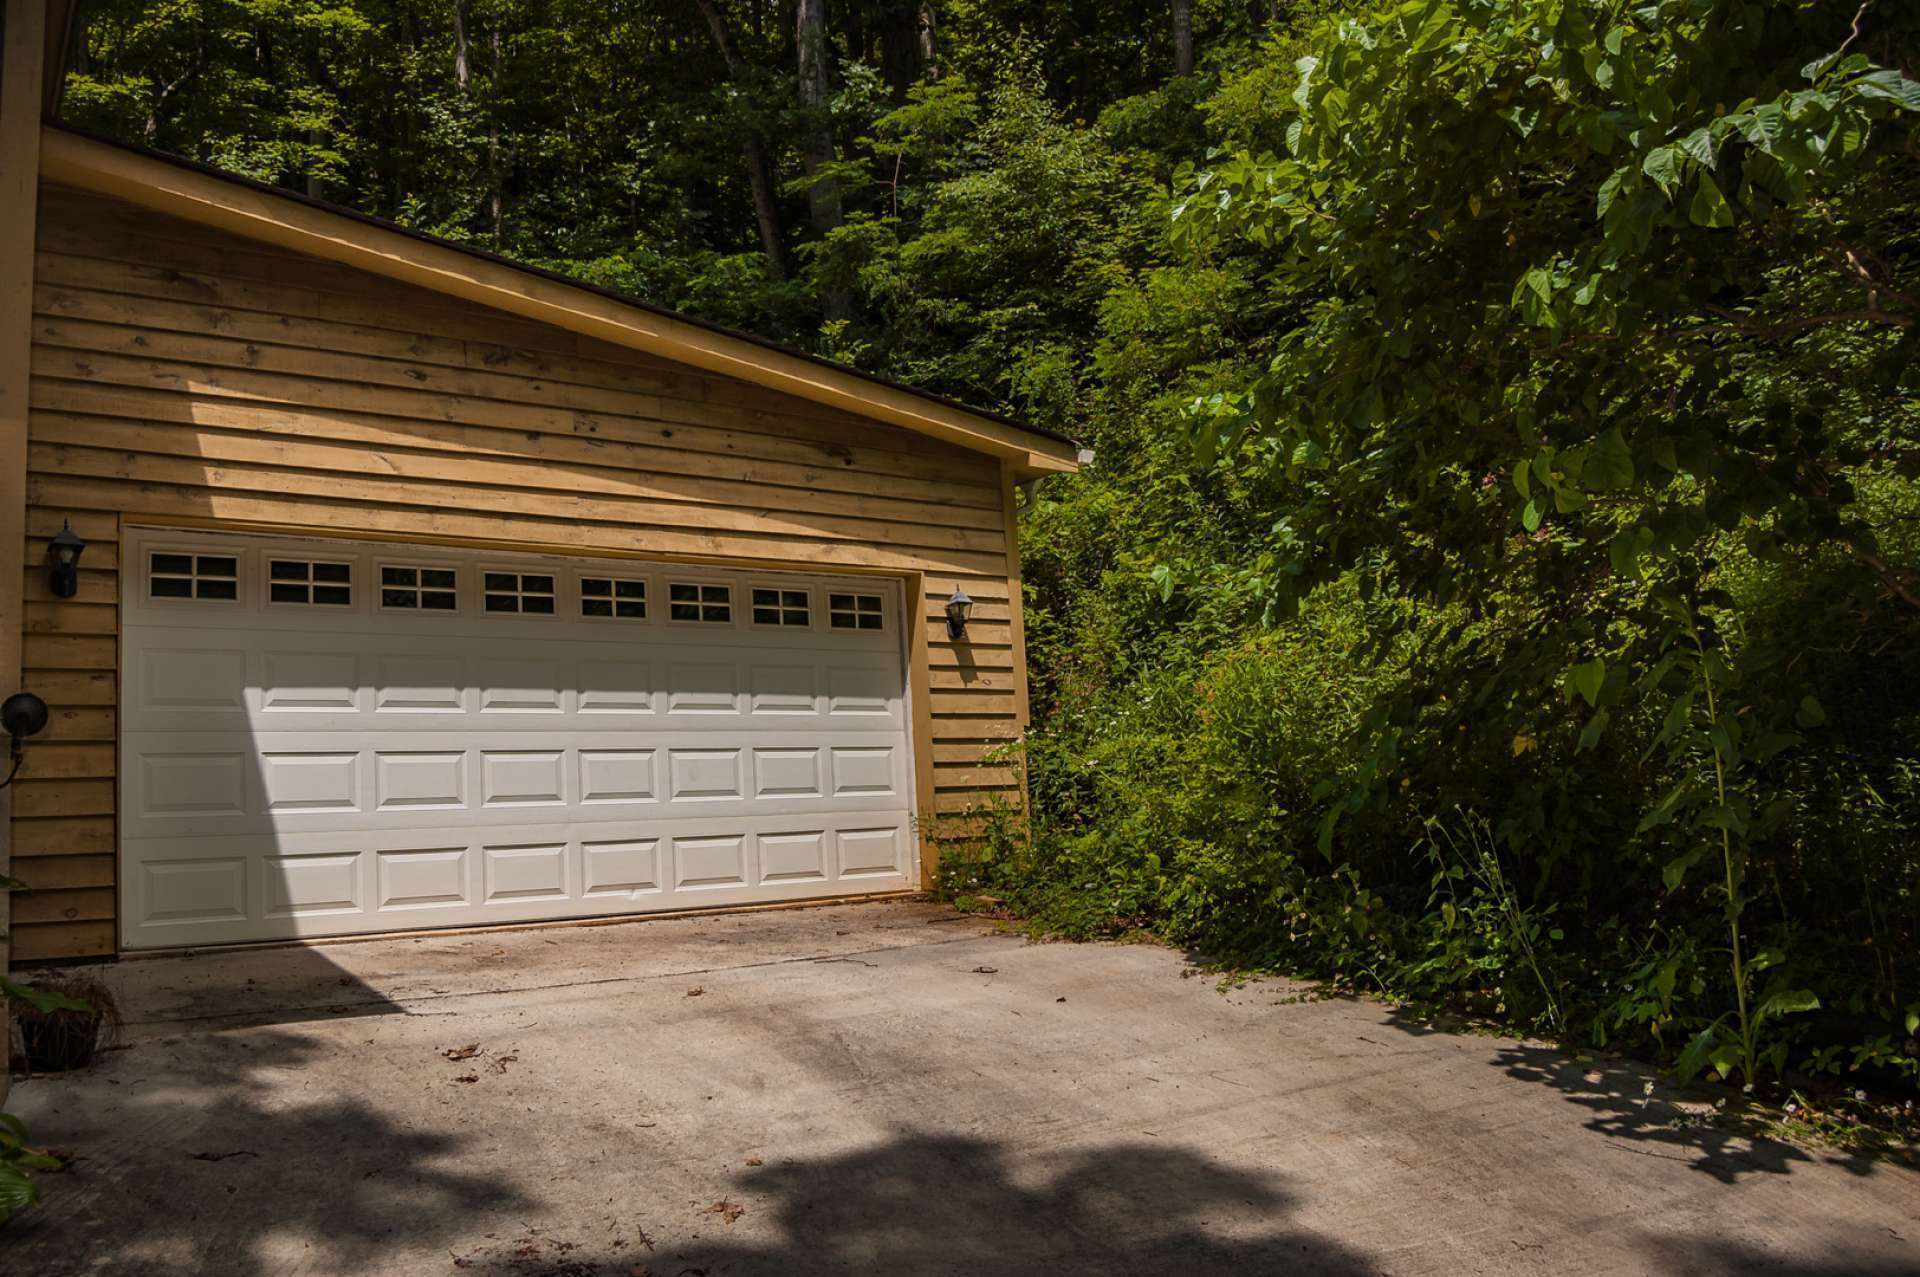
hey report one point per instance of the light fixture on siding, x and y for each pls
(65, 551)
(959, 608)
(22, 715)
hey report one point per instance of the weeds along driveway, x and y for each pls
(884, 1088)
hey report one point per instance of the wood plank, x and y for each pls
(723, 475)
(84, 904)
(49, 873)
(972, 678)
(92, 585)
(64, 836)
(949, 727)
(54, 760)
(971, 801)
(97, 555)
(967, 751)
(202, 198)
(214, 269)
(70, 652)
(35, 798)
(69, 725)
(23, 51)
(629, 496)
(975, 777)
(63, 617)
(971, 702)
(63, 941)
(91, 291)
(263, 499)
(641, 421)
(223, 280)
(73, 687)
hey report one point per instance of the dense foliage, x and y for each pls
(1498, 582)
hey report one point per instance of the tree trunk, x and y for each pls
(823, 194)
(496, 179)
(462, 56)
(929, 50)
(753, 148)
(900, 59)
(1183, 37)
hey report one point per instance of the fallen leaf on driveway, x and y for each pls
(500, 1064)
(466, 1052)
(754, 1161)
(468, 1077)
(726, 1209)
(986, 970)
(221, 1157)
(695, 991)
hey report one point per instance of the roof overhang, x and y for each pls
(191, 192)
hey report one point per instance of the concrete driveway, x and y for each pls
(885, 1088)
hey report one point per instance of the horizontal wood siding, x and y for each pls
(182, 375)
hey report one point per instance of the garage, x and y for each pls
(324, 738)
(375, 584)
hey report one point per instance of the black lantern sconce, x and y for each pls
(22, 715)
(959, 608)
(65, 551)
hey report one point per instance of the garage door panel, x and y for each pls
(289, 772)
(195, 783)
(235, 888)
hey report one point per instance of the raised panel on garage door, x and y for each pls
(346, 737)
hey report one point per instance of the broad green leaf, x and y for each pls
(1789, 1002)
(1696, 1055)
(1609, 465)
(1662, 164)
(1709, 206)
(1590, 734)
(1811, 713)
(1586, 680)
(1701, 146)
(1889, 86)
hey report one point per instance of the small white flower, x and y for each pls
(1647, 1089)
(1792, 1109)
(1860, 1097)
(1747, 1089)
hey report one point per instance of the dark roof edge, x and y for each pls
(540, 272)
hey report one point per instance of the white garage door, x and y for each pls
(321, 738)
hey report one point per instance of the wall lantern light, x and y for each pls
(22, 715)
(959, 608)
(65, 551)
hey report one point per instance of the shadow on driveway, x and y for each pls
(933, 1204)
(248, 1158)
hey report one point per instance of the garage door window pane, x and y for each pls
(609, 596)
(306, 581)
(193, 576)
(855, 612)
(781, 607)
(416, 589)
(518, 593)
(708, 603)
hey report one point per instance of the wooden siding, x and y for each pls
(181, 375)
